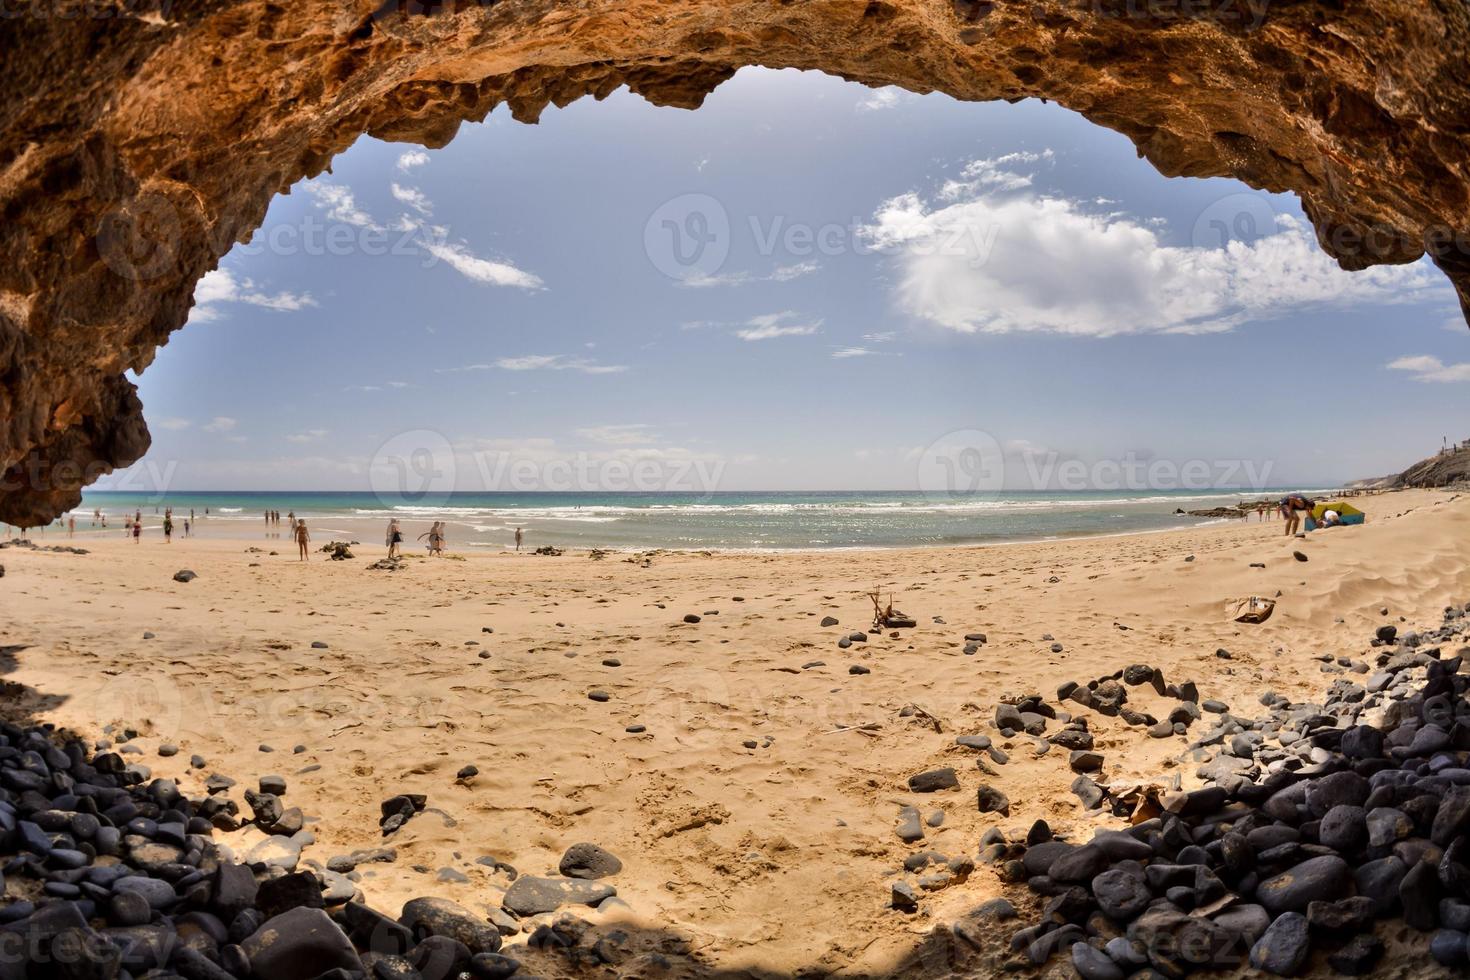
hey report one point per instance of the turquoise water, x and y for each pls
(764, 520)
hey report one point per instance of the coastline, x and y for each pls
(775, 857)
(741, 522)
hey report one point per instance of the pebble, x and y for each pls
(933, 781)
(908, 829)
(1283, 948)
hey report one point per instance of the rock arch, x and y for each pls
(143, 138)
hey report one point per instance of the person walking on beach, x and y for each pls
(168, 528)
(394, 539)
(137, 530)
(518, 539)
(435, 534)
(71, 525)
(186, 528)
(302, 537)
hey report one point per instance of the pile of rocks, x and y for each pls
(1319, 820)
(29, 545)
(111, 874)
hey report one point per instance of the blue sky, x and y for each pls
(879, 270)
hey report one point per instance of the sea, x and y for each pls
(727, 521)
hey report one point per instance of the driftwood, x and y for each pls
(886, 617)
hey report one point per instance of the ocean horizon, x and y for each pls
(770, 520)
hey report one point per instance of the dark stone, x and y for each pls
(1120, 894)
(440, 958)
(530, 895)
(1343, 828)
(279, 895)
(1357, 957)
(1447, 946)
(1284, 947)
(1419, 896)
(1039, 859)
(1379, 880)
(991, 800)
(424, 917)
(375, 932)
(1346, 915)
(589, 861)
(933, 781)
(1079, 865)
(1093, 964)
(301, 944)
(1316, 879)
(1082, 761)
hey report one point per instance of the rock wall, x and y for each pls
(141, 139)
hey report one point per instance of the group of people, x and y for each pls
(135, 526)
(436, 536)
(394, 539)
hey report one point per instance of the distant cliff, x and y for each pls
(1439, 470)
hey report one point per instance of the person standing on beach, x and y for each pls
(1292, 507)
(168, 528)
(137, 529)
(394, 539)
(302, 537)
(518, 539)
(186, 529)
(71, 525)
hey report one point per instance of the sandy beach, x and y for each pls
(764, 860)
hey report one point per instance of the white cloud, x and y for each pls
(485, 271)
(412, 158)
(994, 174)
(414, 198)
(220, 286)
(881, 337)
(845, 352)
(769, 326)
(883, 98)
(620, 435)
(338, 202)
(993, 256)
(310, 435)
(220, 423)
(541, 362)
(172, 424)
(782, 273)
(1429, 369)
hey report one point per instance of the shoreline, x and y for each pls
(776, 857)
(463, 531)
